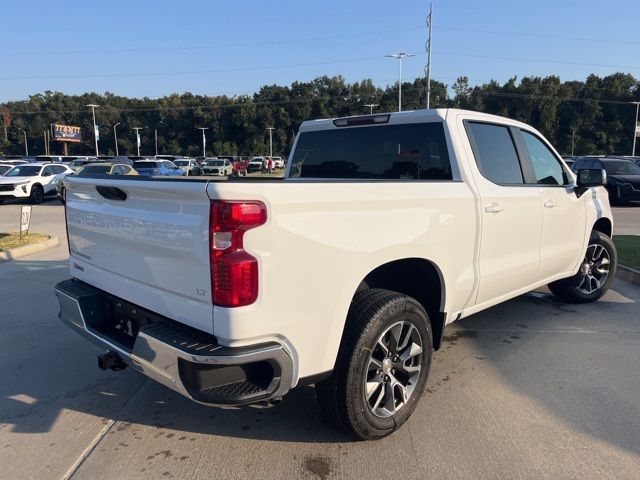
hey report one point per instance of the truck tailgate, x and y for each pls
(145, 241)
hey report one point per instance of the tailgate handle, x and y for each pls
(111, 193)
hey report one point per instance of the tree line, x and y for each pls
(595, 116)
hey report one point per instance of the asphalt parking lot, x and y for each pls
(529, 389)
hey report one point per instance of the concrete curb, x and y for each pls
(629, 274)
(29, 249)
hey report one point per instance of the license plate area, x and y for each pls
(117, 320)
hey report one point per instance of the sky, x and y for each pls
(143, 48)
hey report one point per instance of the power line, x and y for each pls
(211, 47)
(192, 72)
(540, 35)
(308, 64)
(313, 99)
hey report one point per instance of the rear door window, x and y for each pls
(416, 151)
(495, 153)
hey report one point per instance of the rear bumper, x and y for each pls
(182, 358)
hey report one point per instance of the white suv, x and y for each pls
(33, 181)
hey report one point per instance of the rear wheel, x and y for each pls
(382, 366)
(37, 194)
(596, 273)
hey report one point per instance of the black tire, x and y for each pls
(581, 288)
(342, 397)
(37, 195)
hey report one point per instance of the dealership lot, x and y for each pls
(529, 389)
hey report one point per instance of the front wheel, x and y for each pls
(596, 273)
(37, 194)
(382, 366)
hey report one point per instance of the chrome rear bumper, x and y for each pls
(182, 358)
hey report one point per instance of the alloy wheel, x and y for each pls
(393, 369)
(594, 270)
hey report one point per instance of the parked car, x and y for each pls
(48, 158)
(157, 168)
(75, 165)
(257, 164)
(32, 181)
(5, 167)
(278, 163)
(95, 168)
(14, 162)
(623, 177)
(241, 291)
(189, 166)
(217, 166)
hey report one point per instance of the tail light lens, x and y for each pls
(234, 272)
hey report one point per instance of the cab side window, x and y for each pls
(547, 168)
(495, 153)
(46, 171)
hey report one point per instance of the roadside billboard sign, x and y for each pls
(66, 133)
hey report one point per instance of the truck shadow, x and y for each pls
(576, 361)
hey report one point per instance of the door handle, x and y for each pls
(494, 208)
(550, 204)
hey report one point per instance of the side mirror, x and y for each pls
(591, 177)
(46, 174)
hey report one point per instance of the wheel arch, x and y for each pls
(418, 278)
(603, 225)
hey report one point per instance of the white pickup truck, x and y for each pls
(385, 229)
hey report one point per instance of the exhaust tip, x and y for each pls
(111, 361)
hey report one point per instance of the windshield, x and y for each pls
(623, 167)
(24, 171)
(138, 165)
(4, 169)
(215, 163)
(94, 170)
(182, 163)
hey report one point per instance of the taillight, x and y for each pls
(234, 273)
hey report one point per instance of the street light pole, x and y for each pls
(137, 129)
(156, 134)
(95, 130)
(635, 132)
(26, 147)
(115, 137)
(400, 56)
(371, 106)
(204, 141)
(271, 129)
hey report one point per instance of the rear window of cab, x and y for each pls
(415, 151)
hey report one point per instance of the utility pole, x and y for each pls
(26, 147)
(115, 137)
(400, 56)
(573, 139)
(271, 129)
(427, 46)
(44, 138)
(371, 106)
(137, 129)
(156, 133)
(204, 141)
(635, 130)
(95, 128)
